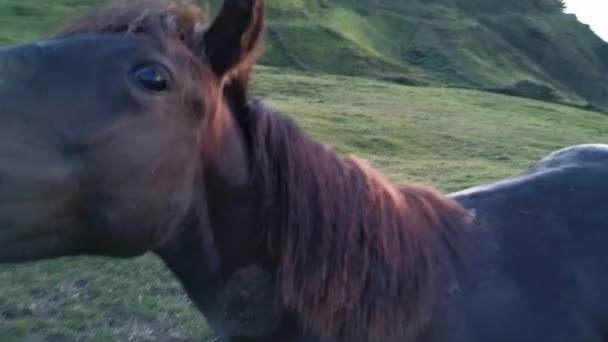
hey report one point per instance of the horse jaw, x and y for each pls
(34, 194)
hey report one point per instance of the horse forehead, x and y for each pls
(75, 52)
(61, 70)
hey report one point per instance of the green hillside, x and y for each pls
(522, 47)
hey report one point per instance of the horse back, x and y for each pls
(540, 267)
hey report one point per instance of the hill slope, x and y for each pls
(519, 47)
(522, 47)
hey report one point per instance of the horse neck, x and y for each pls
(191, 256)
(230, 195)
(211, 242)
(219, 187)
(342, 236)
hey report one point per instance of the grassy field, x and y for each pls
(467, 43)
(446, 137)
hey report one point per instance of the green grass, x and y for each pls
(23, 20)
(449, 138)
(443, 42)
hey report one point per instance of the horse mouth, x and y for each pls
(34, 228)
(19, 246)
(37, 197)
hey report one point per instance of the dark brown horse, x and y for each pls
(131, 130)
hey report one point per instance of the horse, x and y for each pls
(132, 130)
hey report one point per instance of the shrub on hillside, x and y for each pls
(530, 90)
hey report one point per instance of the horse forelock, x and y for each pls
(356, 255)
(174, 19)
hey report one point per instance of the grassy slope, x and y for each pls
(448, 137)
(441, 42)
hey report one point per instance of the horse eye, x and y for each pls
(151, 79)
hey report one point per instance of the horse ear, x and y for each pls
(232, 42)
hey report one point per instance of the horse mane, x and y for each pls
(357, 256)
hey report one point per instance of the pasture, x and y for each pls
(450, 138)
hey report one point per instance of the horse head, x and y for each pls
(106, 125)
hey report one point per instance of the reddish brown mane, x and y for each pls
(356, 255)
